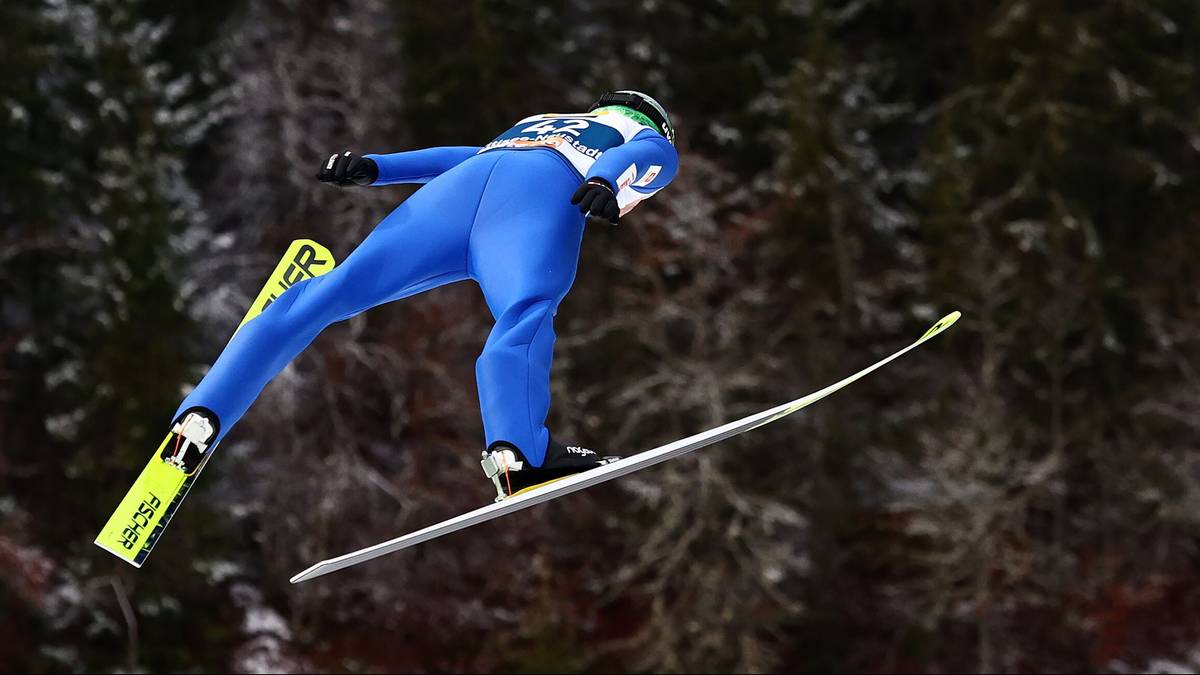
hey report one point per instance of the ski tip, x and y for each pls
(942, 324)
(310, 573)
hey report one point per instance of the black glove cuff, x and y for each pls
(367, 170)
(596, 180)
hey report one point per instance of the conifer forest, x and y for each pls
(1021, 495)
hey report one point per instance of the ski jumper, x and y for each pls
(500, 215)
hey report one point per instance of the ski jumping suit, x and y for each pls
(500, 215)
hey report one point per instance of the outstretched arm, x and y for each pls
(639, 168)
(419, 166)
(416, 166)
(627, 174)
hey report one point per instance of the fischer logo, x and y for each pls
(299, 270)
(140, 519)
(576, 450)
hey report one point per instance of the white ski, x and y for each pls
(606, 472)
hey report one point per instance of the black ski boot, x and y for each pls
(512, 473)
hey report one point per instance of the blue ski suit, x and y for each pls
(500, 215)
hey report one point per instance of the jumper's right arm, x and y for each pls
(419, 166)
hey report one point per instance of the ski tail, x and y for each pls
(133, 528)
(143, 514)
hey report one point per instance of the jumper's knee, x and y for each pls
(306, 307)
(520, 322)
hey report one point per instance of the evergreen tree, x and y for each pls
(102, 229)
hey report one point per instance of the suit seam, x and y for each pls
(475, 217)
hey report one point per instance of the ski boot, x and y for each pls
(512, 474)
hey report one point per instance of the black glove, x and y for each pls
(348, 169)
(596, 198)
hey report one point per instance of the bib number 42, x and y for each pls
(575, 127)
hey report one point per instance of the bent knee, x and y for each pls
(520, 322)
(526, 311)
(311, 302)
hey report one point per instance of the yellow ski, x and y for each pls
(143, 514)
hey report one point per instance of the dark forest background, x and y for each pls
(1021, 495)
